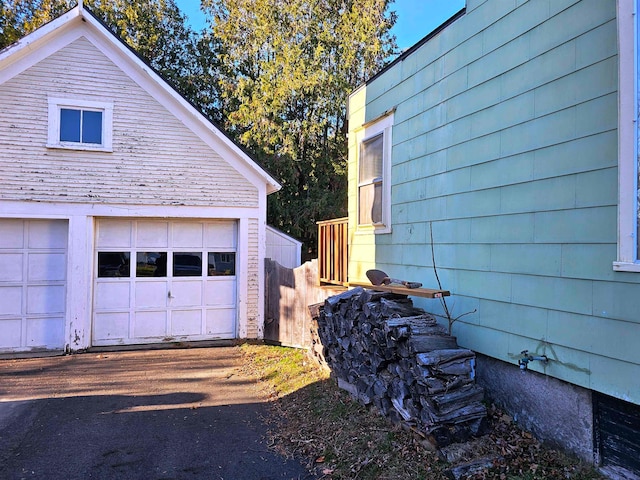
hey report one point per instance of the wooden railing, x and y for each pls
(332, 251)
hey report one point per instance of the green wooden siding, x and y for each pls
(505, 140)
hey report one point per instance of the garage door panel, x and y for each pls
(221, 322)
(46, 267)
(186, 322)
(186, 293)
(45, 299)
(150, 324)
(45, 331)
(188, 235)
(33, 264)
(47, 234)
(11, 332)
(151, 294)
(220, 235)
(152, 235)
(110, 326)
(220, 292)
(11, 267)
(114, 234)
(12, 233)
(113, 295)
(11, 303)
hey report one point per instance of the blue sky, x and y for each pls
(416, 18)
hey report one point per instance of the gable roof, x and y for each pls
(81, 22)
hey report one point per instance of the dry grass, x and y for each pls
(340, 439)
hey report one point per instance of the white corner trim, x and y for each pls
(627, 135)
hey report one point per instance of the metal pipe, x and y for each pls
(523, 363)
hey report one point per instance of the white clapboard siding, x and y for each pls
(156, 159)
(254, 327)
(283, 249)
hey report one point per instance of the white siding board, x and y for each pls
(254, 328)
(282, 248)
(156, 158)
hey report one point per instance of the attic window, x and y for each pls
(80, 125)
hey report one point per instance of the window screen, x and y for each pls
(371, 159)
(370, 176)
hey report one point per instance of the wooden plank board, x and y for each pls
(418, 292)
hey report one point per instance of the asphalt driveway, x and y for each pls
(160, 414)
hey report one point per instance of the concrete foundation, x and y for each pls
(556, 412)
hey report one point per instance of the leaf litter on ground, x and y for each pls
(338, 438)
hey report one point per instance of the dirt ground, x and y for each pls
(159, 414)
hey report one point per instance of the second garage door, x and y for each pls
(33, 272)
(164, 281)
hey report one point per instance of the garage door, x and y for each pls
(164, 281)
(33, 265)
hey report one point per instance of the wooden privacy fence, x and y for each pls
(288, 294)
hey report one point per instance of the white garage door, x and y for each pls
(164, 281)
(33, 265)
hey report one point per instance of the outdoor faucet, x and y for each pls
(527, 357)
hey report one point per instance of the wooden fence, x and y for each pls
(288, 294)
(333, 251)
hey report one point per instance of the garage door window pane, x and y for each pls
(113, 264)
(187, 264)
(151, 264)
(222, 263)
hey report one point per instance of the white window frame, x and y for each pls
(56, 104)
(627, 260)
(382, 125)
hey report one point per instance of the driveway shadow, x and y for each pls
(186, 434)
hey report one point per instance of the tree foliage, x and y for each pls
(155, 29)
(19, 17)
(289, 66)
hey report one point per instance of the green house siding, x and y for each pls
(505, 151)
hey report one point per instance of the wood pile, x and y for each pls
(394, 356)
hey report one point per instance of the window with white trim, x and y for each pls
(374, 174)
(80, 124)
(628, 162)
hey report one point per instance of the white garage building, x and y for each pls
(125, 216)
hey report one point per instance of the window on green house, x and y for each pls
(374, 174)
(370, 181)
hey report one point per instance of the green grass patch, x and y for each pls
(283, 370)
